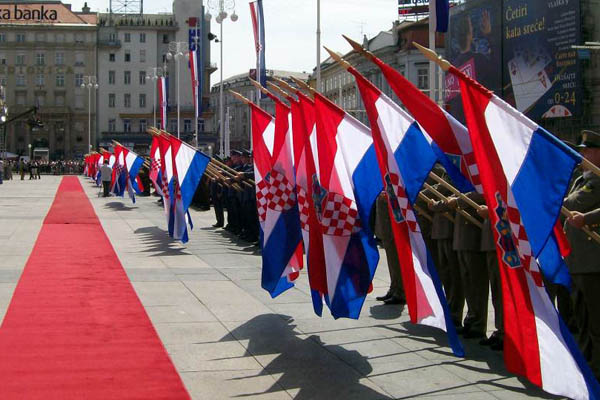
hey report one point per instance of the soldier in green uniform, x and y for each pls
(584, 201)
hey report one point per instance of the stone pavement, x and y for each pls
(228, 338)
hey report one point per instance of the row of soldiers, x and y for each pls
(232, 188)
(461, 243)
(458, 235)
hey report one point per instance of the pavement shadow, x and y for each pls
(118, 206)
(302, 363)
(387, 312)
(159, 242)
(473, 352)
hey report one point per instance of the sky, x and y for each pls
(290, 30)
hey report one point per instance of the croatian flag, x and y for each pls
(188, 167)
(344, 196)
(155, 174)
(281, 234)
(162, 101)
(119, 173)
(439, 12)
(196, 64)
(405, 160)
(452, 145)
(303, 128)
(134, 163)
(258, 27)
(525, 173)
(166, 173)
(98, 174)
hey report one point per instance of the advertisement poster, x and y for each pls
(540, 69)
(474, 46)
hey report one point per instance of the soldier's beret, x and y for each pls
(589, 139)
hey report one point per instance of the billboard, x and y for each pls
(540, 69)
(474, 45)
(520, 49)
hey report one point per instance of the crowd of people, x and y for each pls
(33, 169)
(460, 240)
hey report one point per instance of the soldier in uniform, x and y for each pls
(249, 213)
(233, 197)
(584, 201)
(383, 230)
(442, 233)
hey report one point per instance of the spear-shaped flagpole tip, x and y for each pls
(259, 86)
(277, 90)
(338, 58)
(284, 85)
(239, 97)
(358, 48)
(433, 56)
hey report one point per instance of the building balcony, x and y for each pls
(108, 43)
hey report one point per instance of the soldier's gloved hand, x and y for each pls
(576, 219)
(453, 202)
(482, 211)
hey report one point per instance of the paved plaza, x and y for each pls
(225, 335)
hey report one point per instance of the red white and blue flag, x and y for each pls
(439, 12)
(134, 163)
(162, 101)
(405, 159)
(281, 235)
(525, 173)
(189, 165)
(344, 194)
(258, 27)
(304, 129)
(166, 173)
(455, 152)
(196, 62)
(155, 165)
(119, 175)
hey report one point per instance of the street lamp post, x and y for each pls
(221, 7)
(90, 82)
(177, 50)
(156, 73)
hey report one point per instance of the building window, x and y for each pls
(127, 56)
(60, 80)
(142, 55)
(20, 80)
(40, 59)
(40, 37)
(126, 125)
(2, 37)
(165, 38)
(59, 37)
(3, 81)
(187, 125)
(142, 38)
(111, 77)
(2, 59)
(112, 125)
(20, 37)
(39, 80)
(79, 59)
(173, 125)
(20, 59)
(59, 100)
(78, 80)
(423, 78)
(111, 57)
(127, 77)
(112, 37)
(127, 37)
(143, 125)
(142, 100)
(59, 58)
(142, 77)
(111, 100)
(127, 100)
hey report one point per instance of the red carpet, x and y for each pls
(75, 328)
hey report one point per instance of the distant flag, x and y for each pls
(344, 194)
(303, 128)
(439, 12)
(405, 159)
(189, 165)
(258, 27)
(162, 101)
(282, 251)
(134, 163)
(525, 173)
(452, 145)
(119, 172)
(155, 165)
(166, 174)
(196, 61)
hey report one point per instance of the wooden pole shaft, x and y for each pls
(566, 212)
(462, 212)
